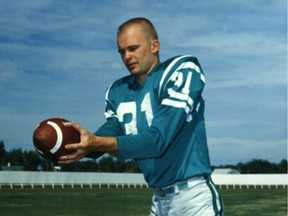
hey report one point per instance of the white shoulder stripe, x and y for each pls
(167, 70)
(193, 66)
(177, 104)
(107, 91)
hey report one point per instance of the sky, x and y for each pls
(57, 59)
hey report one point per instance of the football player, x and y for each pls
(155, 115)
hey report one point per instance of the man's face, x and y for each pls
(137, 52)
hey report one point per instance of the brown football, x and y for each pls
(51, 136)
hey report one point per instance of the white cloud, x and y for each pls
(245, 44)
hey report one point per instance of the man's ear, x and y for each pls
(155, 46)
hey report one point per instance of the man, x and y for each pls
(155, 116)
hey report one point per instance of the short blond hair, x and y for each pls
(146, 24)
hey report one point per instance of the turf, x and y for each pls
(252, 202)
(128, 202)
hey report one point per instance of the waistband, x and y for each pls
(179, 186)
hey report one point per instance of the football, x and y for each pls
(51, 136)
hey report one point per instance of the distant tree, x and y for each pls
(105, 164)
(45, 165)
(257, 166)
(129, 166)
(108, 164)
(81, 166)
(2, 153)
(32, 161)
(88, 166)
(282, 167)
(15, 157)
(70, 167)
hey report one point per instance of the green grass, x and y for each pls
(95, 201)
(255, 202)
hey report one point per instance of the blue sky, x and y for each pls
(58, 57)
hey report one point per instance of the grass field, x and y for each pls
(128, 202)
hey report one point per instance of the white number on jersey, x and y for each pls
(130, 108)
(180, 99)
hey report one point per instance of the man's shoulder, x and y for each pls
(172, 64)
(126, 80)
(175, 61)
(181, 58)
(120, 86)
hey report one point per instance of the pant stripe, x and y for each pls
(217, 200)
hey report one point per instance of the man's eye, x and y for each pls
(121, 52)
(132, 48)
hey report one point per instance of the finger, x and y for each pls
(74, 146)
(66, 159)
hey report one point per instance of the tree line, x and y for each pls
(258, 166)
(29, 160)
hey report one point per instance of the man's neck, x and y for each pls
(141, 79)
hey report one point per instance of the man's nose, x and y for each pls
(127, 56)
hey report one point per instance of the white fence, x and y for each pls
(251, 180)
(72, 179)
(84, 179)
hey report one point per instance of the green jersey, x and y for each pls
(160, 123)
